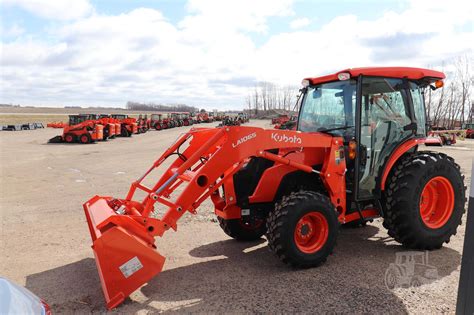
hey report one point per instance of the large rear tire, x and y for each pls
(302, 229)
(242, 231)
(424, 200)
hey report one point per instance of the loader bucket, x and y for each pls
(57, 139)
(125, 261)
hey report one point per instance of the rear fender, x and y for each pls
(396, 155)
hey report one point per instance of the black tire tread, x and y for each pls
(403, 177)
(233, 228)
(276, 219)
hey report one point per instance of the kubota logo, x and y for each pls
(244, 139)
(284, 138)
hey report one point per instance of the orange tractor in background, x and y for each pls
(204, 117)
(186, 118)
(143, 123)
(109, 127)
(56, 124)
(114, 122)
(177, 119)
(289, 124)
(128, 125)
(355, 156)
(160, 121)
(281, 119)
(80, 129)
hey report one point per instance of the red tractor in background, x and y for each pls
(156, 121)
(194, 118)
(143, 123)
(187, 120)
(281, 119)
(128, 126)
(219, 116)
(160, 121)
(354, 157)
(176, 118)
(80, 129)
(469, 127)
(204, 117)
(289, 124)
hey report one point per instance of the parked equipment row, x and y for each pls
(87, 128)
(18, 127)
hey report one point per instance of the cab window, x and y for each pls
(419, 108)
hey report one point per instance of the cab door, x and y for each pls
(383, 116)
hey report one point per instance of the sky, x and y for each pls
(211, 53)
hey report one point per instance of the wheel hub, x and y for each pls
(436, 202)
(311, 232)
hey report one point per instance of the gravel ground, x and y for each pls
(45, 243)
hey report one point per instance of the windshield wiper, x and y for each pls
(334, 129)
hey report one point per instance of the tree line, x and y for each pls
(266, 96)
(453, 105)
(136, 106)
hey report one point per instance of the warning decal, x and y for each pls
(131, 266)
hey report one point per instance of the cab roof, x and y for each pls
(389, 72)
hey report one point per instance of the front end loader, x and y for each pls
(354, 157)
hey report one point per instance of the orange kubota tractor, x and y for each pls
(108, 126)
(82, 129)
(354, 157)
(115, 125)
(128, 125)
(160, 121)
(143, 123)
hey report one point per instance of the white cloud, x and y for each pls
(299, 23)
(13, 31)
(54, 9)
(210, 58)
(246, 15)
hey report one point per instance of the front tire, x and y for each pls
(69, 138)
(425, 200)
(302, 229)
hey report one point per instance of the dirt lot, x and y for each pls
(45, 243)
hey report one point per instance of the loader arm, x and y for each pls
(204, 158)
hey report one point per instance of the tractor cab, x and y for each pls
(119, 116)
(77, 119)
(375, 111)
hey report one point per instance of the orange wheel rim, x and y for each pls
(311, 232)
(437, 202)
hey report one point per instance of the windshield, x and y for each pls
(328, 106)
(74, 120)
